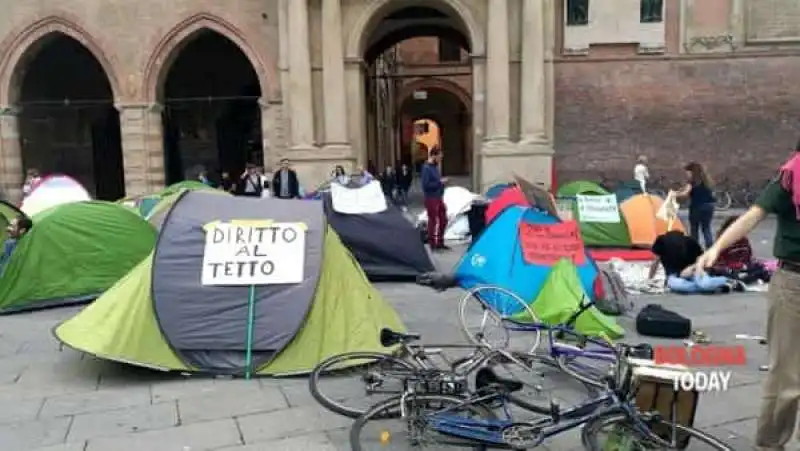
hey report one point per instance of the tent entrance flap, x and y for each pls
(212, 335)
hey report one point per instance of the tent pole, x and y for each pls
(251, 313)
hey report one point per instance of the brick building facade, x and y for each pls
(589, 84)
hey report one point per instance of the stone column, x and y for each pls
(11, 170)
(142, 147)
(498, 76)
(335, 101)
(300, 96)
(532, 80)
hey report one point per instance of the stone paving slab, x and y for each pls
(56, 399)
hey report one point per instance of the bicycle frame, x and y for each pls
(603, 350)
(490, 432)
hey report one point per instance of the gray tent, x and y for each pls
(162, 316)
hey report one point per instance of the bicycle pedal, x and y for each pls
(555, 411)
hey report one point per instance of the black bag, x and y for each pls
(656, 321)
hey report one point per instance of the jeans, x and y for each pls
(700, 217)
(696, 284)
(437, 221)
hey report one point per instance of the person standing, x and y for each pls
(641, 174)
(340, 176)
(781, 392)
(433, 191)
(285, 184)
(404, 179)
(251, 182)
(226, 183)
(388, 182)
(701, 201)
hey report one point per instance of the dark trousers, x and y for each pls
(700, 217)
(437, 221)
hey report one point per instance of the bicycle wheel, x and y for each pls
(723, 200)
(381, 428)
(358, 380)
(623, 434)
(501, 309)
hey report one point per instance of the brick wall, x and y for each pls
(737, 116)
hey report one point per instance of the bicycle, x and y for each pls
(384, 373)
(584, 358)
(460, 421)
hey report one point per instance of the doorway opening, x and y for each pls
(211, 118)
(412, 56)
(67, 120)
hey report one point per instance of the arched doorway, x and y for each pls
(67, 120)
(452, 118)
(391, 107)
(212, 118)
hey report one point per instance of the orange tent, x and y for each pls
(639, 212)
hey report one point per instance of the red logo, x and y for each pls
(700, 355)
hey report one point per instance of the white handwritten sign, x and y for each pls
(242, 254)
(598, 208)
(364, 200)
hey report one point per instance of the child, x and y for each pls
(737, 262)
(641, 174)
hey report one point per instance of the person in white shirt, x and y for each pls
(641, 174)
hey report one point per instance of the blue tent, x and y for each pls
(496, 190)
(496, 259)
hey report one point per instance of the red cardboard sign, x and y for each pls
(546, 244)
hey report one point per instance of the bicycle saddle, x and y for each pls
(488, 378)
(390, 338)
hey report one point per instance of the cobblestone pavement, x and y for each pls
(55, 399)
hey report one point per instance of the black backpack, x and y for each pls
(656, 321)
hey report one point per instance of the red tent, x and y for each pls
(512, 195)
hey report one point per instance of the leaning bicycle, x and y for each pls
(424, 420)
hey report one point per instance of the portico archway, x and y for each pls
(63, 100)
(212, 117)
(387, 24)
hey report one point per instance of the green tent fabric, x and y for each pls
(572, 189)
(145, 203)
(184, 185)
(73, 253)
(595, 234)
(347, 314)
(562, 295)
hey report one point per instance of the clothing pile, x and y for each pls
(635, 276)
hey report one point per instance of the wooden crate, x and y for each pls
(656, 392)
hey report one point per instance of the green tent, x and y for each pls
(562, 295)
(73, 253)
(572, 189)
(595, 234)
(161, 316)
(144, 204)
